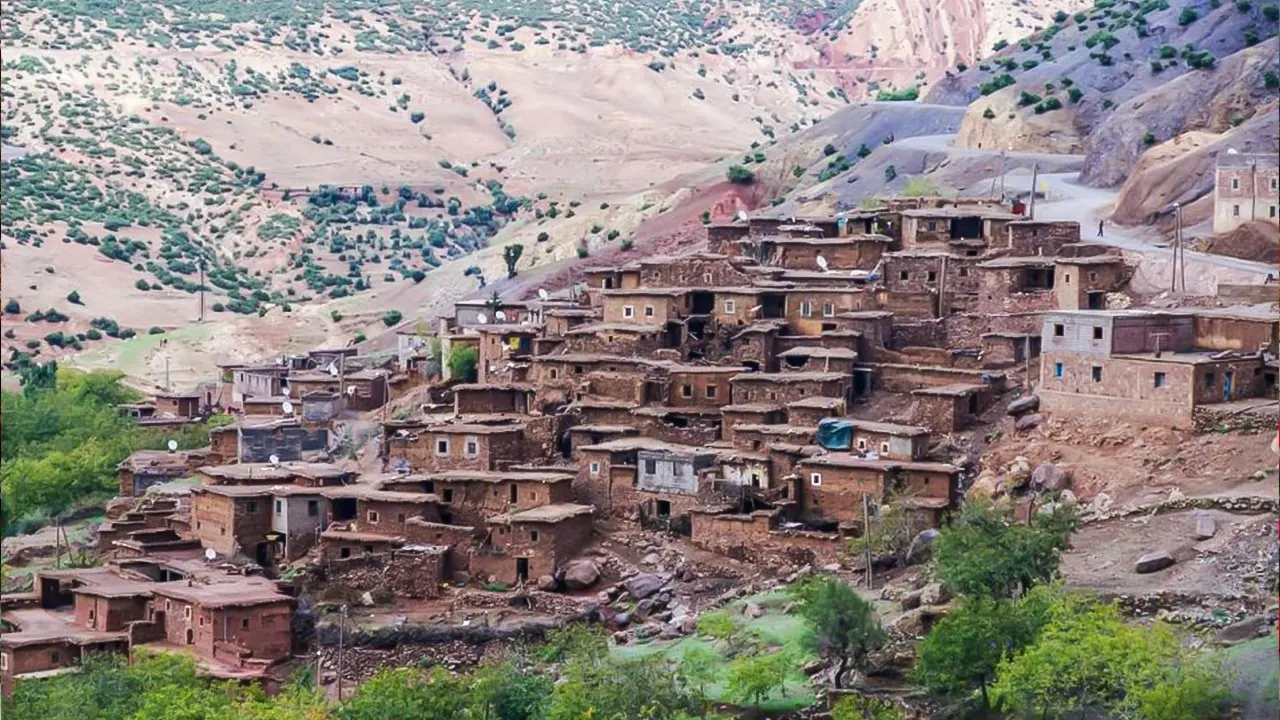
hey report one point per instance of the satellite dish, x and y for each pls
(210, 555)
(543, 294)
(275, 459)
(742, 215)
(351, 389)
(482, 318)
(1232, 151)
(287, 407)
(333, 371)
(500, 316)
(822, 263)
(402, 433)
(173, 445)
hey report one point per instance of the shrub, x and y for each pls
(1027, 98)
(335, 316)
(1048, 105)
(628, 244)
(961, 67)
(989, 114)
(92, 334)
(543, 237)
(155, 330)
(907, 94)
(462, 363)
(1270, 79)
(1243, 5)
(1187, 16)
(418, 275)
(142, 285)
(1156, 66)
(890, 173)
(1002, 80)
(739, 175)
(391, 317)
(417, 116)
(1000, 45)
(73, 297)
(1148, 138)
(1074, 94)
(1168, 51)
(1060, 17)
(12, 307)
(1271, 13)
(797, 171)
(582, 251)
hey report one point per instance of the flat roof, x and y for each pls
(752, 408)
(826, 241)
(500, 476)
(1011, 262)
(247, 471)
(766, 429)
(962, 211)
(952, 389)
(1091, 260)
(238, 592)
(507, 328)
(651, 291)
(605, 429)
(373, 494)
(789, 377)
(820, 402)
(361, 537)
(694, 369)
(886, 428)
(820, 352)
(642, 443)
(593, 328)
(473, 429)
(37, 626)
(849, 460)
(555, 513)
(589, 358)
(512, 386)
(1194, 357)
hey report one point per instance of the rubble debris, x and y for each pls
(1154, 561)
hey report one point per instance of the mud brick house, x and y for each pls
(504, 351)
(696, 424)
(618, 339)
(830, 488)
(383, 512)
(559, 321)
(411, 344)
(810, 311)
(809, 411)
(874, 328)
(753, 345)
(889, 440)
(467, 313)
(288, 439)
(647, 306)
(951, 407)
(1246, 187)
(943, 227)
(735, 416)
(264, 406)
(849, 252)
(761, 437)
(699, 385)
(243, 625)
(859, 222)
(817, 359)
(1028, 238)
(1082, 283)
(1009, 349)
(583, 435)
(1016, 284)
(723, 237)
(146, 468)
(38, 643)
(300, 473)
(737, 306)
(257, 381)
(366, 389)
(437, 447)
(185, 405)
(469, 497)
(742, 469)
(321, 408)
(695, 271)
(339, 545)
(305, 382)
(233, 519)
(609, 473)
(525, 545)
(493, 398)
(1143, 365)
(298, 515)
(787, 387)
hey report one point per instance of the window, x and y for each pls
(251, 507)
(244, 623)
(1059, 330)
(1066, 278)
(884, 448)
(828, 309)
(533, 536)
(577, 369)
(515, 493)
(554, 373)
(344, 552)
(55, 657)
(313, 508)
(1096, 373)
(401, 518)
(1057, 370)
(1097, 333)
(686, 391)
(1273, 211)
(650, 467)
(628, 311)
(648, 311)
(730, 306)
(1275, 183)
(1235, 211)
(862, 444)
(4, 661)
(963, 272)
(1161, 379)
(815, 479)
(186, 612)
(472, 446)
(1235, 183)
(442, 446)
(372, 516)
(448, 495)
(932, 276)
(711, 392)
(931, 225)
(594, 468)
(92, 614)
(806, 309)
(1093, 276)
(279, 507)
(1209, 380)
(904, 275)
(368, 549)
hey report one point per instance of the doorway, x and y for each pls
(1228, 379)
(191, 636)
(522, 570)
(1097, 300)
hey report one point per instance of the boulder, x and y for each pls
(921, 546)
(643, 585)
(461, 578)
(986, 486)
(911, 600)
(581, 574)
(1024, 405)
(1153, 562)
(752, 610)
(688, 624)
(916, 623)
(547, 583)
(934, 594)
(1206, 527)
(1048, 476)
(622, 619)
(651, 559)
(1027, 422)
(644, 608)
(1018, 473)
(1243, 631)
(647, 631)
(1068, 499)
(1100, 504)
(366, 599)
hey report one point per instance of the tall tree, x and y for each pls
(985, 554)
(842, 625)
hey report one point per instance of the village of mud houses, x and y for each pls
(640, 359)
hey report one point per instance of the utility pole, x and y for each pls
(1002, 171)
(1035, 177)
(167, 387)
(342, 626)
(866, 533)
(1177, 244)
(201, 266)
(1182, 251)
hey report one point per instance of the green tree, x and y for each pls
(511, 255)
(12, 307)
(462, 363)
(73, 297)
(724, 627)
(841, 624)
(391, 317)
(752, 679)
(857, 707)
(699, 669)
(409, 693)
(986, 555)
(504, 691)
(739, 175)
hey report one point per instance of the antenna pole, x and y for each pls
(167, 387)
(201, 266)
(341, 627)
(1035, 176)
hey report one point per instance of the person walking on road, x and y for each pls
(1100, 228)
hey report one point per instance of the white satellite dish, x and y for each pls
(173, 445)
(351, 389)
(402, 433)
(543, 294)
(275, 459)
(500, 316)
(482, 318)
(333, 369)
(287, 407)
(742, 215)
(210, 555)
(822, 263)
(1232, 151)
